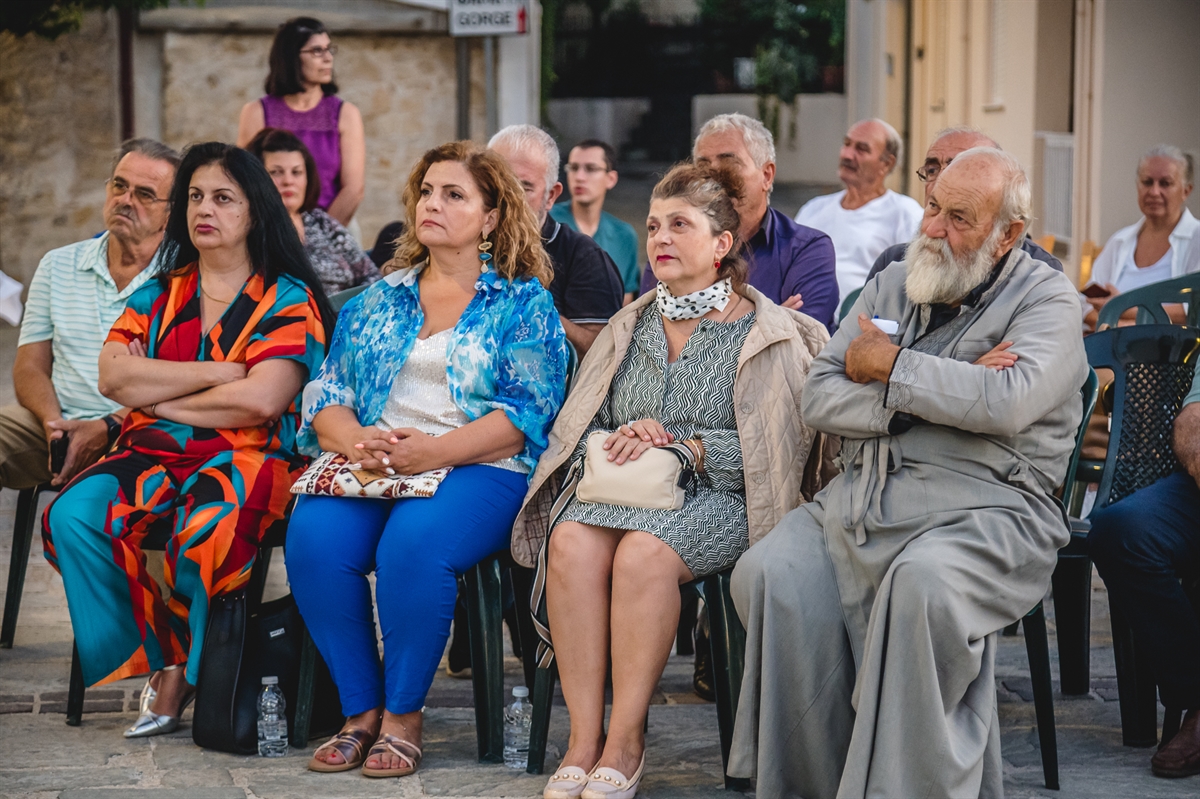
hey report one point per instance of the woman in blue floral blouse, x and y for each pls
(456, 358)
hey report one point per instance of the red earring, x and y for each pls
(716, 264)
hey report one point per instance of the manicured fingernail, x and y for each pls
(354, 467)
(358, 446)
(386, 462)
(390, 470)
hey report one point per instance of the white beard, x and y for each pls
(934, 274)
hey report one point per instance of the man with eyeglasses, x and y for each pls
(946, 145)
(76, 294)
(591, 174)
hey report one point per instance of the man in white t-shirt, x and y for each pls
(866, 218)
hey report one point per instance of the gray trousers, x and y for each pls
(24, 454)
(917, 717)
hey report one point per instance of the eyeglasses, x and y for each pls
(141, 196)
(932, 169)
(320, 52)
(591, 169)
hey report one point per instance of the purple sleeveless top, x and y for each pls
(318, 129)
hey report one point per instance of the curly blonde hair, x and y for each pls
(518, 250)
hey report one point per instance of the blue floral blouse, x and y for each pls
(508, 352)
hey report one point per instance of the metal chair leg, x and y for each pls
(543, 701)
(1038, 648)
(26, 520)
(75, 690)
(1136, 689)
(1072, 583)
(484, 620)
(728, 641)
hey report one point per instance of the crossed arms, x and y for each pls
(861, 380)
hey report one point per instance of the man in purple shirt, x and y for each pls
(792, 264)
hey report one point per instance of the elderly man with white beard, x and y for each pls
(871, 612)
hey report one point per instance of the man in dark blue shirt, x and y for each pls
(792, 264)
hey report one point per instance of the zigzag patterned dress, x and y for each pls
(692, 397)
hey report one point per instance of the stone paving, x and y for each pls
(45, 759)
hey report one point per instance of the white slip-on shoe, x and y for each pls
(608, 783)
(567, 783)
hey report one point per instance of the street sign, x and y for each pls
(488, 17)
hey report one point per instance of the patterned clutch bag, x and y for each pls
(330, 475)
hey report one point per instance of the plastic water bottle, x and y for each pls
(272, 720)
(518, 718)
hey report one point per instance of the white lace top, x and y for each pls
(420, 395)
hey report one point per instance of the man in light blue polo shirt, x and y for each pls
(76, 294)
(591, 173)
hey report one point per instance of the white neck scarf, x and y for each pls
(696, 304)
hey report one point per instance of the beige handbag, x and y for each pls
(657, 479)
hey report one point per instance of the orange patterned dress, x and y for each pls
(213, 491)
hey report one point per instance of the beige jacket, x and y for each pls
(771, 373)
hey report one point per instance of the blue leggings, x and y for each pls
(417, 548)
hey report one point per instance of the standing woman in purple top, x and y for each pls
(302, 97)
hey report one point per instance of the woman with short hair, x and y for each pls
(456, 358)
(211, 358)
(335, 255)
(302, 97)
(1162, 245)
(708, 362)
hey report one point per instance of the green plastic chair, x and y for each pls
(1153, 367)
(847, 304)
(339, 300)
(1072, 586)
(1149, 301)
(22, 542)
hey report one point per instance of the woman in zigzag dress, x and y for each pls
(706, 361)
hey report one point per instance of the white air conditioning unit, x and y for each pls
(1057, 151)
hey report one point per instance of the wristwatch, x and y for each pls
(114, 428)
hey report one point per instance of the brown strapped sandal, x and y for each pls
(408, 752)
(350, 744)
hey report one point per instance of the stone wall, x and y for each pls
(60, 126)
(403, 85)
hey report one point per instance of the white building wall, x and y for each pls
(1149, 93)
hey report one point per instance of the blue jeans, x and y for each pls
(417, 548)
(1142, 546)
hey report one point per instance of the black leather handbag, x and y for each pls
(240, 648)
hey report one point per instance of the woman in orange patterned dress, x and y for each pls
(211, 357)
